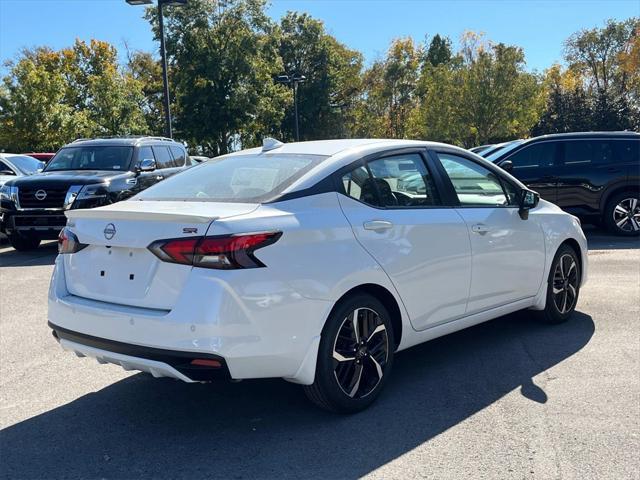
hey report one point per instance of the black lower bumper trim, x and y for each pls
(179, 360)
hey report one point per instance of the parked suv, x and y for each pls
(593, 175)
(84, 174)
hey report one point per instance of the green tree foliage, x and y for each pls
(483, 94)
(332, 71)
(439, 51)
(223, 56)
(52, 97)
(147, 70)
(389, 88)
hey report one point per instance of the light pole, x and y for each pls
(293, 81)
(163, 57)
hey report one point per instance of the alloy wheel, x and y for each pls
(565, 284)
(360, 352)
(626, 215)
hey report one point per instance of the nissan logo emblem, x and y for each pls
(109, 231)
(41, 195)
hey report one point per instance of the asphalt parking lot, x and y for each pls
(508, 399)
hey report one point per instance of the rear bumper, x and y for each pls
(157, 362)
(258, 330)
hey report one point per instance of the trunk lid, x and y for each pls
(117, 267)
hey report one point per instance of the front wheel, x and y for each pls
(23, 243)
(355, 356)
(563, 286)
(622, 214)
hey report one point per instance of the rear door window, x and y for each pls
(626, 151)
(179, 156)
(163, 157)
(587, 152)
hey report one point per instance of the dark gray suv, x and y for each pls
(86, 173)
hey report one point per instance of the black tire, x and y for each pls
(327, 391)
(612, 217)
(567, 287)
(23, 243)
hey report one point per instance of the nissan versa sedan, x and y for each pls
(315, 262)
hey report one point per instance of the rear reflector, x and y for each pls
(221, 252)
(204, 362)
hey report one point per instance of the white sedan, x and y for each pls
(315, 262)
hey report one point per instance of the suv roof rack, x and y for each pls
(108, 137)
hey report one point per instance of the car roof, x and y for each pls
(122, 141)
(581, 135)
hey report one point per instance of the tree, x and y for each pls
(332, 74)
(389, 92)
(439, 51)
(52, 97)
(223, 56)
(144, 68)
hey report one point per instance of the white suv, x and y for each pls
(306, 261)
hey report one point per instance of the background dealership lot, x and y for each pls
(507, 399)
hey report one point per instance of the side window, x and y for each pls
(179, 155)
(145, 153)
(474, 184)
(585, 152)
(626, 151)
(5, 167)
(403, 181)
(358, 184)
(163, 156)
(534, 156)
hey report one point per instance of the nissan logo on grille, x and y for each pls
(40, 195)
(109, 231)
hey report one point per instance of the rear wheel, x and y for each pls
(622, 214)
(23, 243)
(563, 286)
(355, 356)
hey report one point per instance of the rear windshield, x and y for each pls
(91, 158)
(27, 165)
(494, 155)
(238, 179)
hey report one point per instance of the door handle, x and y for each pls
(377, 225)
(159, 177)
(480, 228)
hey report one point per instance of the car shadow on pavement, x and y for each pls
(599, 239)
(43, 255)
(142, 427)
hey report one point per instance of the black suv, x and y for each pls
(593, 175)
(84, 174)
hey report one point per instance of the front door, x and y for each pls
(534, 165)
(508, 252)
(397, 216)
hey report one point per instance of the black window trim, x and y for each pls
(364, 162)
(453, 196)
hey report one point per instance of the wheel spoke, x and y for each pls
(557, 290)
(378, 329)
(565, 294)
(622, 222)
(634, 224)
(633, 202)
(378, 367)
(356, 326)
(341, 358)
(621, 210)
(355, 380)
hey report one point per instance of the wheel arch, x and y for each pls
(388, 300)
(575, 246)
(616, 190)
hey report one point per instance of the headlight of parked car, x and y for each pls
(8, 193)
(92, 192)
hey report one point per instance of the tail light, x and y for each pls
(68, 242)
(224, 252)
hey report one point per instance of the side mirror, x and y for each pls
(528, 200)
(7, 172)
(147, 165)
(507, 165)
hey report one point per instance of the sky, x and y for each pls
(538, 26)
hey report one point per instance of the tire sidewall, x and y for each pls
(325, 377)
(552, 313)
(23, 243)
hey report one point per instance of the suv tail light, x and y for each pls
(224, 252)
(68, 242)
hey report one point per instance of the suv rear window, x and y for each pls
(163, 157)
(91, 158)
(179, 156)
(236, 179)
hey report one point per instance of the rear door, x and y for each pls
(146, 179)
(165, 162)
(534, 165)
(586, 168)
(397, 215)
(508, 253)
